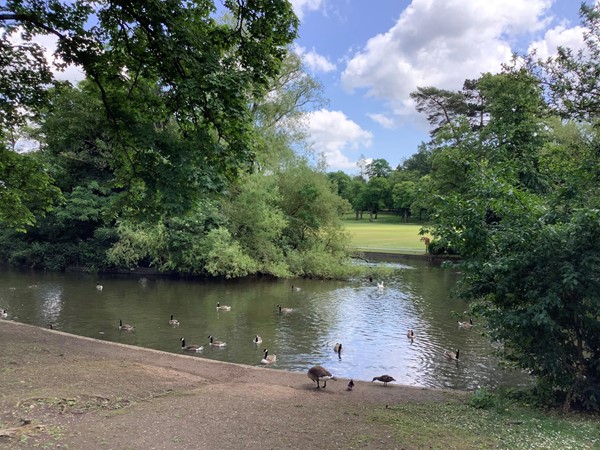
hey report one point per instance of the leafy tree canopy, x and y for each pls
(174, 83)
(517, 197)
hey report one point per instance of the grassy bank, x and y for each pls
(386, 234)
(503, 426)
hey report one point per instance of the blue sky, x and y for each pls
(369, 55)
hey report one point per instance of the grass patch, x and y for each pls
(460, 426)
(385, 237)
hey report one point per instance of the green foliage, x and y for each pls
(26, 189)
(177, 150)
(571, 77)
(225, 257)
(175, 86)
(378, 168)
(482, 398)
(518, 198)
(255, 220)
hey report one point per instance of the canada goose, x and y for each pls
(284, 310)
(380, 285)
(216, 343)
(99, 286)
(385, 378)
(3, 313)
(257, 339)
(296, 288)
(223, 307)
(190, 348)
(173, 322)
(125, 327)
(338, 349)
(452, 355)
(468, 324)
(410, 334)
(268, 359)
(318, 373)
(351, 385)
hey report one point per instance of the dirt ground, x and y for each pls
(63, 391)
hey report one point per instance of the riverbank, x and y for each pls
(379, 256)
(64, 391)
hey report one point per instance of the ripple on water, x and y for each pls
(371, 323)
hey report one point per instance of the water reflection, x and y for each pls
(370, 322)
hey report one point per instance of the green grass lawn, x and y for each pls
(460, 426)
(385, 235)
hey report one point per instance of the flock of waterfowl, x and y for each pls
(316, 373)
(266, 359)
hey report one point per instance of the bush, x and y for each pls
(482, 399)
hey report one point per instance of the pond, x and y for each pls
(370, 322)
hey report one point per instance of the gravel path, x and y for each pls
(63, 391)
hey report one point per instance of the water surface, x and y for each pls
(370, 322)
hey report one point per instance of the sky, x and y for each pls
(369, 56)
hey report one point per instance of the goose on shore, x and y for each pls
(452, 355)
(384, 378)
(190, 348)
(223, 307)
(268, 359)
(173, 322)
(214, 343)
(3, 313)
(351, 385)
(125, 327)
(318, 374)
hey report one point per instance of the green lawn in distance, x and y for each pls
(385, 237)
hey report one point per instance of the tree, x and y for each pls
(570, 79)
(419, 162)
(514, 134)
(356, 195)
(257, 223)
(378, 168)
(362, 165)
(403, 195)
(176, 86)
(524, 218)
(377, 195)
(342, 181)
(26, 189)
(441, 106)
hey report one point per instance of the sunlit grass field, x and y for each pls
(387, 234)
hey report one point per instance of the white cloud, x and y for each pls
(332, 133)
(382, 120)
(316, 62)
(558, 37)
(440, 43)
(303, 6)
